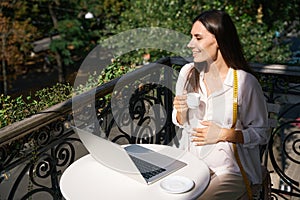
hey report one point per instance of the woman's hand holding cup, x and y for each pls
(181, 106)
(180, 103)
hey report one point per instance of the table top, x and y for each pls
(88, 179)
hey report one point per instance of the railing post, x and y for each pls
(170, 129)
(54, 176)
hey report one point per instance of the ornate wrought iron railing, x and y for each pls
(34, 152)
(281, 86)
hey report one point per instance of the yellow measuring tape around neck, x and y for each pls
(235, 98)
(235, 111)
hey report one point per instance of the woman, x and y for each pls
(209, 129)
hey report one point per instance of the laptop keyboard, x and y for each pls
(147, 169)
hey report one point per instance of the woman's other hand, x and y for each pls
(212, 133)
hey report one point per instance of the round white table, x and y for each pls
(88, 179)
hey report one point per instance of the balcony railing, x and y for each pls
(35, 152)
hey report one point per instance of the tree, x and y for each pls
(255, 34)
(16, 34)
(57, 13)
(77, 35)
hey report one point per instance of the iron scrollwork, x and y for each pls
(37, 161)
(138, 118)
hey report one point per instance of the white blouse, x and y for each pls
(217, 107)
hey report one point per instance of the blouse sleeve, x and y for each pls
(253, 113)
(179, 90)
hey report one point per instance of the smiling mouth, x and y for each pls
(195, 53)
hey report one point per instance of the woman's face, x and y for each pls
(203, 44)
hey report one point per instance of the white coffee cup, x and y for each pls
(193, 100)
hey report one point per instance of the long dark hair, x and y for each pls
(220, 24)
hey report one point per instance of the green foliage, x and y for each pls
(50, 96)
(14, 110)
(119, 67)
(281, 13)
(175, 15)
(257, 38)
(73, 38)
(259, 43)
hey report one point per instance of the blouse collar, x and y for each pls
(229, 78)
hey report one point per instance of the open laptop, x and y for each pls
(134, 161)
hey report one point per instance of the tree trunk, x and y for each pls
(61, 75)
(3, 65)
